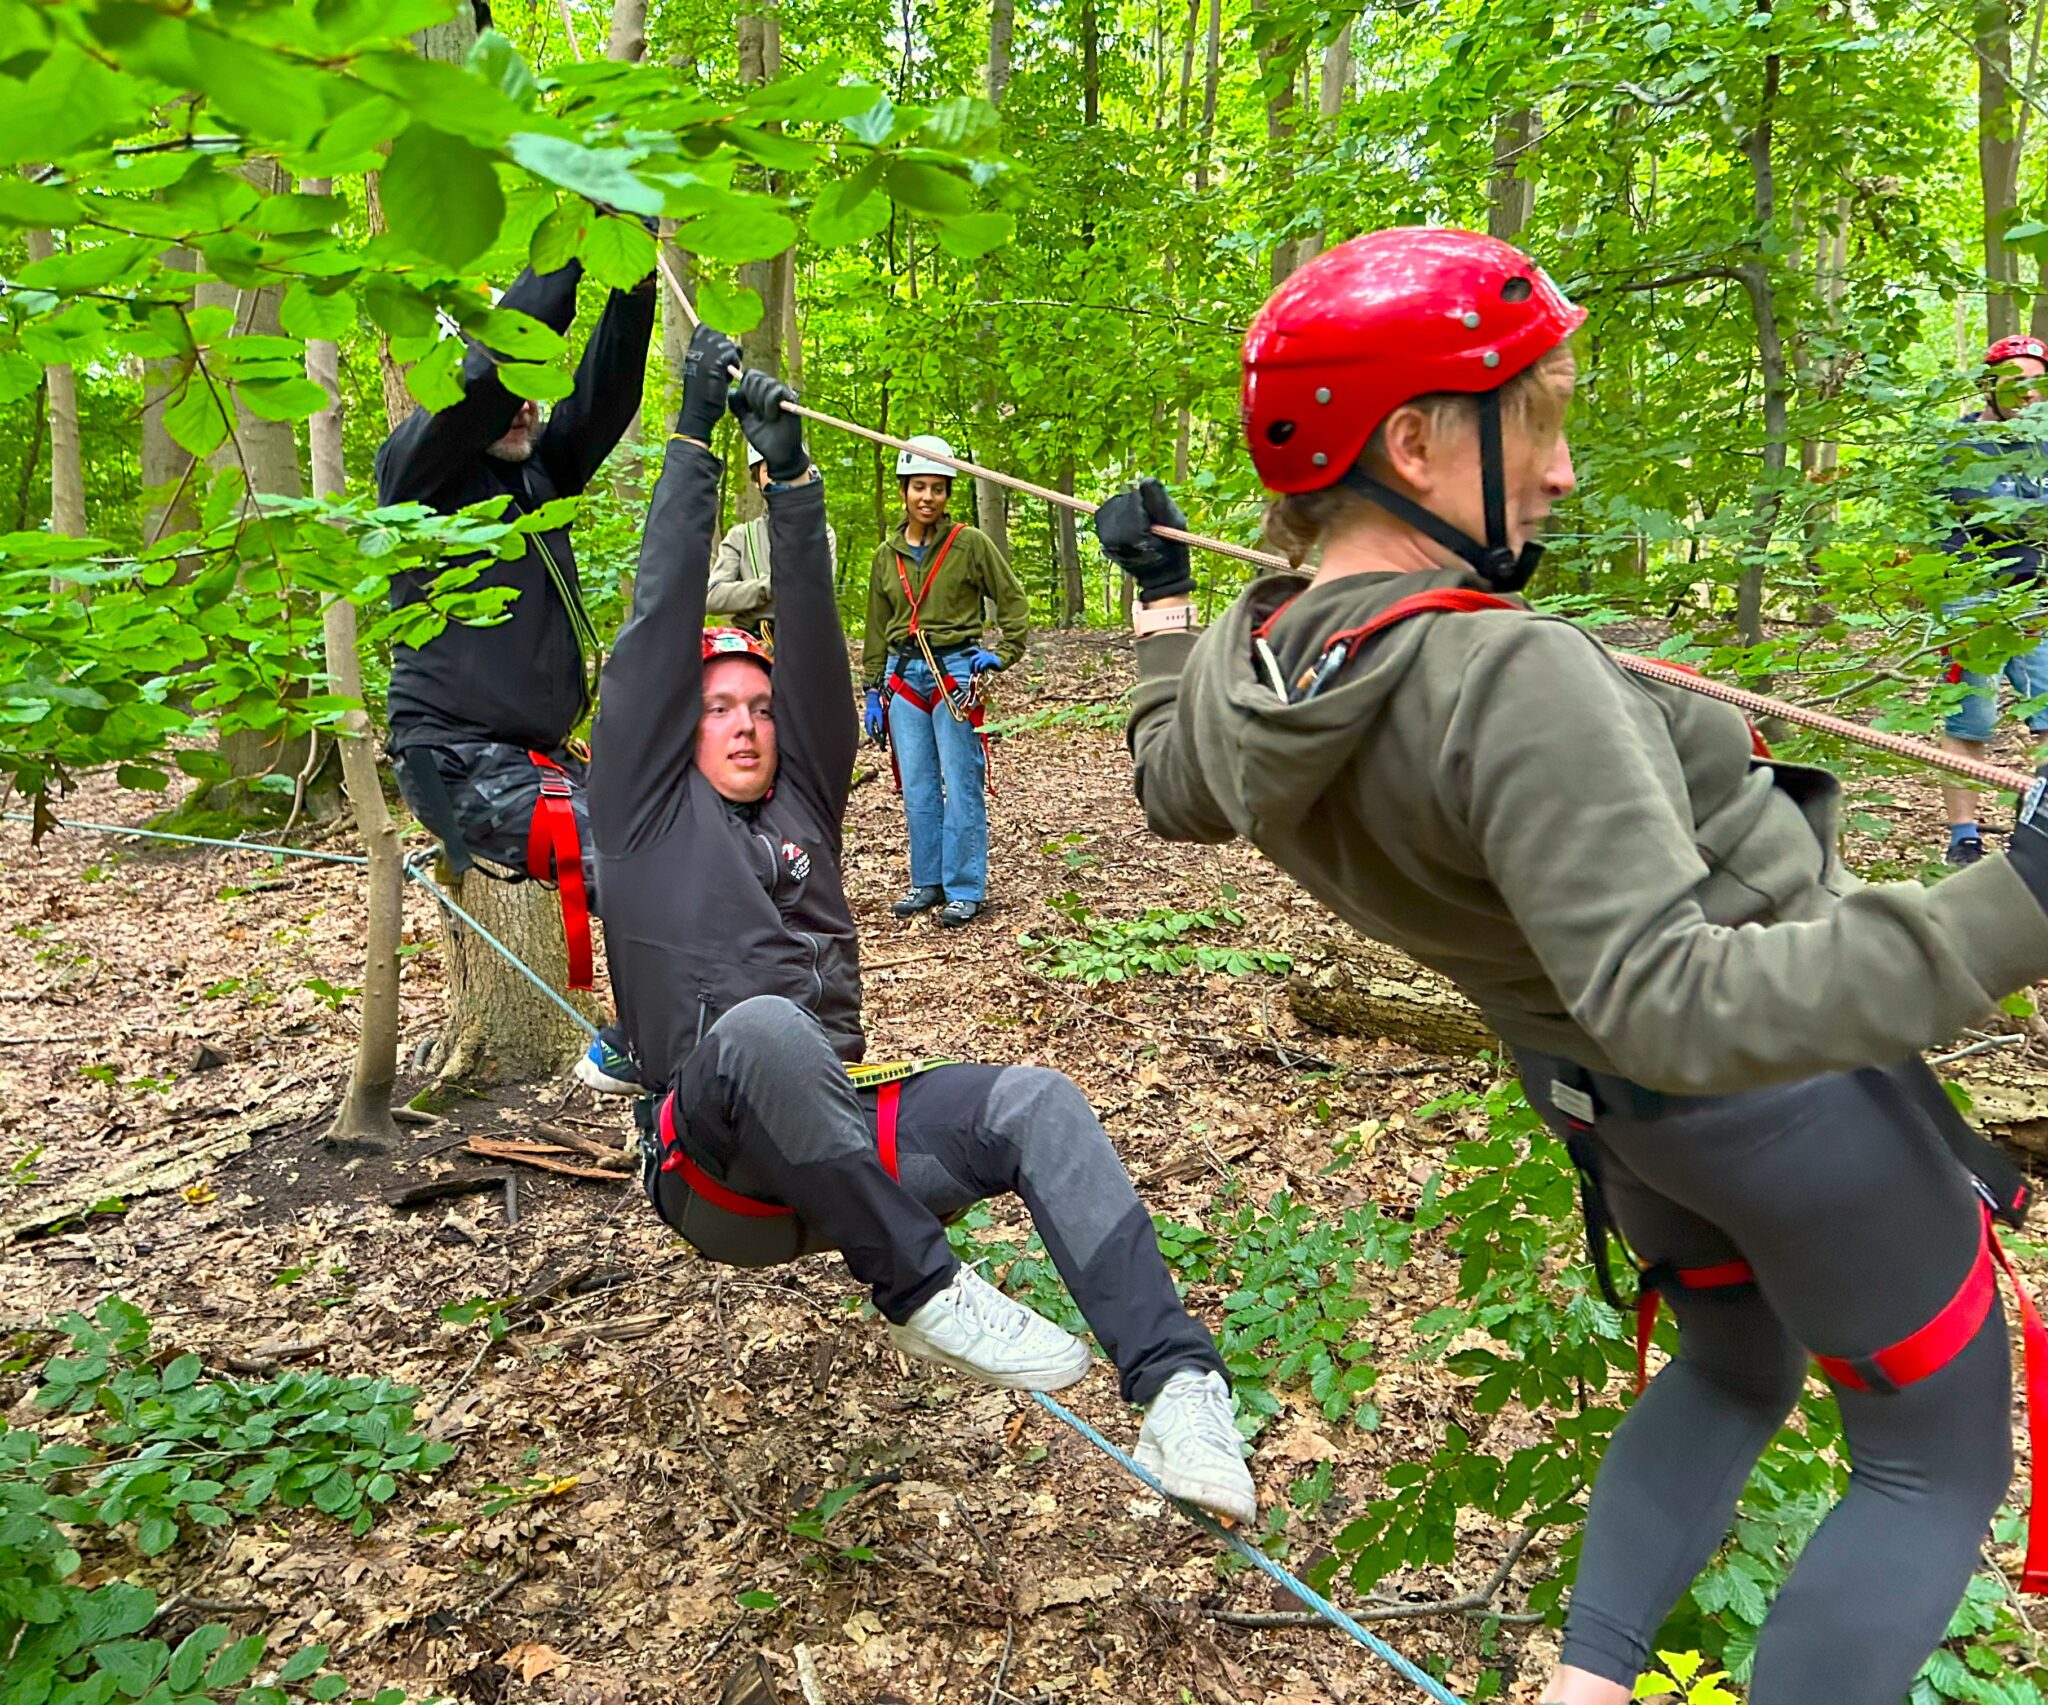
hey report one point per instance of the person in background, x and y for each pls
(739, 989)
(742, 577)
(922, 660)
(481, 717)
(2007, 545)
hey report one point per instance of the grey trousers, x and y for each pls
(1861, 1226)
(765, 1108)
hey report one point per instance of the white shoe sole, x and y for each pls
(1068, 1370)
(595, 1077)
(1235, 1502)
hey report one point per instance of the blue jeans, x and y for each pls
(945, 781)
(1976, 718)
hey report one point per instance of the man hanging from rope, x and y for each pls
(743, 573)
(739, 990)
(1719, 1019)
(481, 717)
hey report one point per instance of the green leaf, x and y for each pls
(182, 1373)
(972, 235)
(441, 195)
(70, 99)
(493, 58)
(436, 380)
(282, 399)
(155, 1535)
(25, 203)
(961, 125)
(92, 268)
(849, 211)
(758, 1599)
(188, 1662)
(733, 310)
(329, 1687)
(875, 125)
(381, 1489)
(335, 1493)
(509, 333)
(134, 1664)
(20, 375)
(557, 238)
(750, 231)
(143, 778)
(235, 1665)
(302, 1663)
(397, 307)
(308, 313)
(530, 379)
(194, 418)
(928, 189)
(255, 88)
(603, 175)
(617, 252)
(203, 765)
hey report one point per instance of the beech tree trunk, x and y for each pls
(67, 465)
(1511, 193)
(167, 506)
(1770, 343)
(991, 501)
(500, 1029)
(364, 1115)
(1998, 162)
(626, 43)
(1073, 588)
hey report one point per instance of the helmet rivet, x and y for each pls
(1492, 358)
(1471, 320)
(1320, 459)
(1322, 393)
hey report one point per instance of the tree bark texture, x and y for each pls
(166, 464)
(1374, 991)
(626, 43)
(1073, 589)
(1511, 192)
(67, 464)
(1998, 161)
(500, 1029)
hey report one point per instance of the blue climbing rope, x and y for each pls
(1408, 1672)
(1259, 1560)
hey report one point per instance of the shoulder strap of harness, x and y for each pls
(917, 598)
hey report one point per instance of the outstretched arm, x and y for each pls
(652, 694)
(588, 423)
(430, 447)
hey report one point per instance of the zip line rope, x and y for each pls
(1201, 1518)
(1650, 668)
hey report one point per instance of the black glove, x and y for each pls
(1124, 525)
(707, 372)
(2028, 848)
(779, 435)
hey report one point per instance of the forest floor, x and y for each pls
(633, 1454)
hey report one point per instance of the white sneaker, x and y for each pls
(971, 1327)
(1190, 1445)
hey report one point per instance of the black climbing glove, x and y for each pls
(707, 374)
(1124, 525)
(779, 435)
(2028, 848)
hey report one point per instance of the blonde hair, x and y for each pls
(1296, 523)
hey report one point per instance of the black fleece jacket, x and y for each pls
(708, 903)
(523, 680)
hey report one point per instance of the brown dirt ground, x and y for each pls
(671, 1421)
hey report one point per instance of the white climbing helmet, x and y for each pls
(909, 462)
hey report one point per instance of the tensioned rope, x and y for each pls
(1752, 704)
(1201, 1518)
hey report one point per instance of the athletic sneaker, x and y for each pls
(918, 900)
(971, 1327)
(1190, 1445)
(1965, 850)
(608, 1068)
(959, 913)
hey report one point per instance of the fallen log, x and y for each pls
(1374, 991)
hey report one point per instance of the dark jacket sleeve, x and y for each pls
(429, 448)
(816, 732)
(587, 424)
(652, 695)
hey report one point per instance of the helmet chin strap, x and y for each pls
(1501, 569)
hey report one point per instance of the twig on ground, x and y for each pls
(807, 1677)
(455, 1391)
(1983, 1047)
(995, 1692)
(995, 1568)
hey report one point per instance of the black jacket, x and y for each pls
(706, 903)
(523, 680)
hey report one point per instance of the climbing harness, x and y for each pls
(963, 701)
(552, 847)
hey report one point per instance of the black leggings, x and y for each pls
(1860, 1226)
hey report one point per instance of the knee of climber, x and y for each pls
(1029, 1102)
(770, 1035)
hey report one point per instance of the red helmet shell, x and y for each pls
(1377, 322)
(2014, 348)
(736, 642)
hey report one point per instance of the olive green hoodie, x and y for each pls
(1597, 860)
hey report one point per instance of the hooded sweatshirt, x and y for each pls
(951, 609)
(1598, 861)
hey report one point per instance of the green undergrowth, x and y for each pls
(1064, 718)
(1160, 942)
(149, 1455)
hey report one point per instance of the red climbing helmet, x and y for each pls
(2014, 349)
(1377, 322)
(736, 642)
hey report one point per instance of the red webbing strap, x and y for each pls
(916, 599)
(903, 689)
(1419, 604)
(2034, 1336)
(553, 851)
(888, 1104)
(974, 716)
(1714, 1278)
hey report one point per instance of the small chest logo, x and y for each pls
(797, 859)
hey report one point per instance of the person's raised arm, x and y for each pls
(815, 738)
(653, 688)
(588, 423)
(430, 447)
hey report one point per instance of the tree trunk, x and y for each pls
(1511, 192)
(67, 467)
(166, 465)
(1373, 991)
(1281, 108)
(1770, 347)
(365, 1111)
(1073, 589)
(991, 501)
(626, 43)
(1998, 162)
(1212, 82)
(760, 45)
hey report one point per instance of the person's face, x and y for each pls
(2016, 384)
(736, 733)
(1443, 462)
(924, 497)
(517, 444)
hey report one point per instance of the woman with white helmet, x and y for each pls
(1718, 1018)
(742, 590)
(928, 589)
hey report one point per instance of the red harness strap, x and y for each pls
(1918, 1355)
(916, 599)
(1721, 1277)
(553, 852)
(674, 1159)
